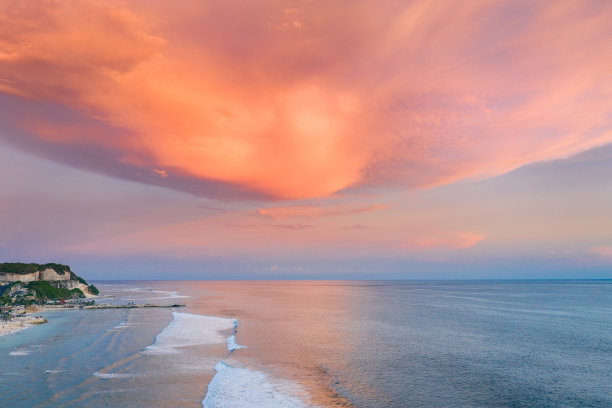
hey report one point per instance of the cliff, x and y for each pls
(44, 275)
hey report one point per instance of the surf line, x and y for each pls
(231, 340)
(236, 386)
(230, 386)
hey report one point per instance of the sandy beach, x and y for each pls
(21, 322)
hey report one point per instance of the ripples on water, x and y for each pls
(362, 344)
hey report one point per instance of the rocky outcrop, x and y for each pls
(75, 284)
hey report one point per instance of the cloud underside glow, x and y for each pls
(297, 100)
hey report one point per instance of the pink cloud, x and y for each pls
(449, 240)
(602, 250)
(354, 227)
(312, 211)
(160, 173)
(278, 226)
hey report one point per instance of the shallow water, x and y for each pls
(362, 344)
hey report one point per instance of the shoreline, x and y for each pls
(29, 318)
(20, 323)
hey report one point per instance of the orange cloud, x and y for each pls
(303, 101)
(443, 241)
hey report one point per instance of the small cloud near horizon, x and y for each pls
(448, 240)
(604, 251)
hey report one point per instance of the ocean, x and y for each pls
(321, 344)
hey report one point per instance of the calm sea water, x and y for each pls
(328, 344)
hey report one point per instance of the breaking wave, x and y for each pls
(188, 329)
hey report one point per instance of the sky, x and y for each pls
(306, 139)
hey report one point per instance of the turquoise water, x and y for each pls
(362, 344)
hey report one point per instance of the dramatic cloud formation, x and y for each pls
(300, 99)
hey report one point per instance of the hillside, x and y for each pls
(22, 283)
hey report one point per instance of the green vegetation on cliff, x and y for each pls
(23, 268)
(44, 291)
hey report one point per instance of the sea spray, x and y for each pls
(231, 340)
(231, 343)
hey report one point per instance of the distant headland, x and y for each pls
(31, 283)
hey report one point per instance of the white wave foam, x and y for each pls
(53, 371)
(231, 343)
(188, 329)
(112, 375)
(235, 387)
(19, 353)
